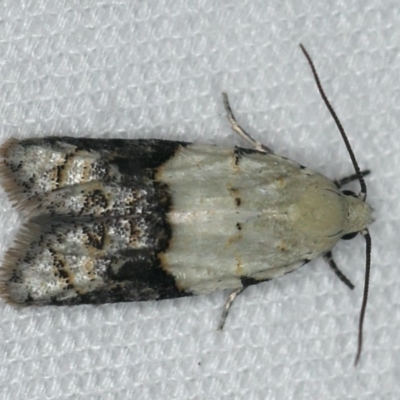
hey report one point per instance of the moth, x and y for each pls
(111, 220)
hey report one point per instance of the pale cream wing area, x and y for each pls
(246, 214)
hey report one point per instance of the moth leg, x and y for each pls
(347, 179)
(240, 131)
(329, 259)
(231, 298)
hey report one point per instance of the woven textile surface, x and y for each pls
(156, 69)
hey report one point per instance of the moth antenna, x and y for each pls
(368, 244)
(363, 191)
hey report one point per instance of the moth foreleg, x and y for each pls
(347, 179)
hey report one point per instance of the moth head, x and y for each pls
(359, 215)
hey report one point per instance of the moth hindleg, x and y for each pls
(329, 259)
(231, 298)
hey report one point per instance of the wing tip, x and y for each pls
(12, 258)
(7, 177)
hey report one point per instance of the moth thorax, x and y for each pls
(320, 212)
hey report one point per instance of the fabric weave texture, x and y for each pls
(156, 69)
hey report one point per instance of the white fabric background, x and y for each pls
(141, 69)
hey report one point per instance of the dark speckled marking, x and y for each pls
(136, 280)
(132, 157)
(142, 153)
(130, 274)
(248, 281)
(60, 169)
(98, 198)
(95, 238)
(240, 151)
